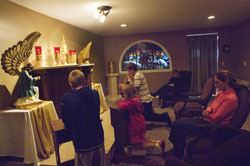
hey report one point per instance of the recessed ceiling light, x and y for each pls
(123, 25)
(210, 17)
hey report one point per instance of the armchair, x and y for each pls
(195, 103)
(186, 78)
(234, 151)
(202, 144)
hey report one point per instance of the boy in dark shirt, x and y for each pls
(81, 115)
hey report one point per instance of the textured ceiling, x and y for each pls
(143, 16)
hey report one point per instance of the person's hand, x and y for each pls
(129, 78)
(121, 86)
(38, 78)
(205, 114)
(171, 84)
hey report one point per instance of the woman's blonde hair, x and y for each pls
(129, 90)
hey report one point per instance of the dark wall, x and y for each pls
(16, 22)
(241, 50)
(176, 44)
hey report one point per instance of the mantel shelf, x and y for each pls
(64, 66)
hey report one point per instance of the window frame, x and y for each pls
(146, 71)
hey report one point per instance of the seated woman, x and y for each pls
(173, 86)
(220, 111)
(137, 123)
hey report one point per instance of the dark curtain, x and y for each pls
(202, 59)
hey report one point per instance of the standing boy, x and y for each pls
(141, 86)
(81, 115)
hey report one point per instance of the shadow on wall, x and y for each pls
(6, 99)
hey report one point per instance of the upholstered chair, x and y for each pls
(195, 103)
(186, 77)
(231, 148)
(202, 143)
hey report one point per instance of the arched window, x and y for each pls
(149, 56)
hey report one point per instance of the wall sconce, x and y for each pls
(102, 13)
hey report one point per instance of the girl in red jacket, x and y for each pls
(137, 123)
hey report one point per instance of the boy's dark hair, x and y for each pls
(131, 66)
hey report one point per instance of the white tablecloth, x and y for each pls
(17, 136)
(25, 133)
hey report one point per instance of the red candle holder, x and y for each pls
(57, 55)
(38, 50)
(72, 56)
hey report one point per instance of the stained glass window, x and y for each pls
(148, 55)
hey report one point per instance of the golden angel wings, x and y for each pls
(13, 57)
(84, 54)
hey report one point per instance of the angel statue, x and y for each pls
(11, 61)
(26, 82)
(83, 56)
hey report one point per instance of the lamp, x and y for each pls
(103, 12)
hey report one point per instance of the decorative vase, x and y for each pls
(111, 66)
(72, 56)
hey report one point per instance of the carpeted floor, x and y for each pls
(152, 157)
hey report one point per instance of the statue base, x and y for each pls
(26, 101)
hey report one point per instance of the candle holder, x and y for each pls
(72, 56)
(57, 56)
(38, 50)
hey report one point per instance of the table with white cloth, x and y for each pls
(26, 133)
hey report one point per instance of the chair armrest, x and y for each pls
(185, 103)
(197, 100)
(189, 94)
(222, 133)
(195, 112)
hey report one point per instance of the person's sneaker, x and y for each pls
(168, 120)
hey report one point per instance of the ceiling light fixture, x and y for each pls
(211, 17)
(123, 25)
(102, 13)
